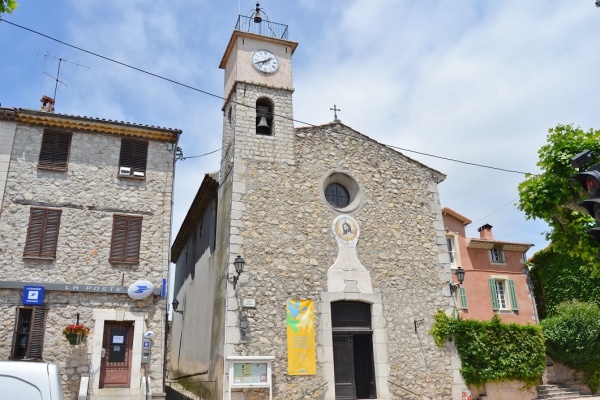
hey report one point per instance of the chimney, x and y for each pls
(485, 232)
(47, 104)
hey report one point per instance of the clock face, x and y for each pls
(265, 61)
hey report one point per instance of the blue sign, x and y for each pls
(163, 289)
(33, 295)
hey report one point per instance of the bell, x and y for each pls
(257, 17)
(262, 123)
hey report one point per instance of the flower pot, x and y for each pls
(74, 338)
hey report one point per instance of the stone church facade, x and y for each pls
(86, 214)
(322, 214)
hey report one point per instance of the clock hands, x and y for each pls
(265, 60)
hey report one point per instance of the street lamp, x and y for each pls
(175, 304)
(238, 263)
(460, 277)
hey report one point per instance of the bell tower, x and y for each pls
(257, 123)
(258, 136)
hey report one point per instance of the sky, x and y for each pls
(476, 81)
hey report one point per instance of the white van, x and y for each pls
(30, 380)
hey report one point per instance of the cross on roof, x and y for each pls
(335, 110)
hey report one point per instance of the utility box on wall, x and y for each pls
(146, 346)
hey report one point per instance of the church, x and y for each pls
(312, 263)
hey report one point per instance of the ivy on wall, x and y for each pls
(493, 351)
(557, 278)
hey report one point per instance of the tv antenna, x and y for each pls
(48, 56)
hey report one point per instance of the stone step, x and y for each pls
(556, 392)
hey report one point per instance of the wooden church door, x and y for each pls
(353, 350)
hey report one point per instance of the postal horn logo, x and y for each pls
(140, 290)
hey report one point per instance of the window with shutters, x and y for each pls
(126, 236)
(28, 335)
(54, 153)
(503, 294)
(42, 233)
(462, 297)
(497, 255)
(132, 160)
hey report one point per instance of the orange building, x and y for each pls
(496, 277)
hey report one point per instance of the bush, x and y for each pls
(557, 278)
(493, 351)
(572, 335)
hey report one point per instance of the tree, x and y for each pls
(7, 6)
(553, 197)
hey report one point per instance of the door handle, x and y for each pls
(103, 353)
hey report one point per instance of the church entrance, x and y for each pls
(353, 350)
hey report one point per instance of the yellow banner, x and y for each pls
(301, 337)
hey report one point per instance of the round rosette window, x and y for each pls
(341, 191)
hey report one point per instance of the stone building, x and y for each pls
(496, 277)
(342, 245)
(84, 237)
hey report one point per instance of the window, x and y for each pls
(28, 336)
(132, 160)
(54, 153)
(341, 191)
(125, 243)
(42, 233)
(451, 251)
(497, 255)
(503, 295)
(462, 297)
(337, 195)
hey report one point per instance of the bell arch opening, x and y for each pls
(264, 116)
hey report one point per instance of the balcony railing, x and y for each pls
(265, 27)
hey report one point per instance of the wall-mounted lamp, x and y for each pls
(175, 305)
(239, 268)
(460, 277)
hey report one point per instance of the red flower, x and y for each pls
(78, 329)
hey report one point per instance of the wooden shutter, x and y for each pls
(42, 233)
(125, 158)
(513, 295)
(134, 235)
(462, 295)
(36, 338)
(493, 295)
(33, 323)
(126, 237)
(134, 154)
(140, 156)
(54, 153)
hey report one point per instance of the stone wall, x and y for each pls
(285, 237)
(88, 194)
(7, 135)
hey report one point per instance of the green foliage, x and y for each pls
(557, 278)
(7, 6)
(493, 351)
(553, 197)
(573, 338)
(443, 328)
